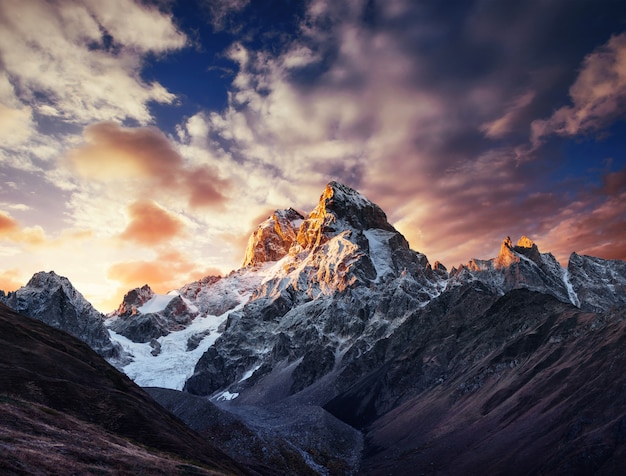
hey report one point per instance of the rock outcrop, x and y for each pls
(134, 299)
(144, 316)
(273, 238)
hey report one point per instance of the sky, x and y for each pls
(143, 141)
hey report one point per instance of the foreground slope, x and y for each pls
(64, 410)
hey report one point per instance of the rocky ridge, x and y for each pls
(144, 317)
(333, 312)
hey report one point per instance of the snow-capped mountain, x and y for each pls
(333, 309)
(315, 293)
(52, 299)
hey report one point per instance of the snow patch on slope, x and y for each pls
(380, 251)
(573, 297)
(157, 303)
(174, 364)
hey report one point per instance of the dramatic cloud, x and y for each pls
(84, 58)
(144, 155)
(151, 224)
(412, 115)
(425, 107)
(598, 95)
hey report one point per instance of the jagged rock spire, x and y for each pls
(133, 299)
(273, 238)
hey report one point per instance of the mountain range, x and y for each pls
(337, 349)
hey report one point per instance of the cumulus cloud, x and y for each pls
(16, 119)
(84, 58)
(356, 102)
(598, 96)
(112, 153)
(150, 224)
(428, 124)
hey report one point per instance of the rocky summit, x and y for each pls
(52, 299)
(340, 350)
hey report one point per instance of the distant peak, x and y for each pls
(134, 299)
(510, 254)
(46, 279)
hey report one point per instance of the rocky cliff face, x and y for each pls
(273, 238)
(598, 284)
(52, 299)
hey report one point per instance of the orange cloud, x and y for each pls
(170, 270)
(113, 153)
(10, 229)
(150, 224)
(600, 232)
(10, 280)
(7, 224)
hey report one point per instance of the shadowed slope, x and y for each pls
(529, 386)
(53, 384)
